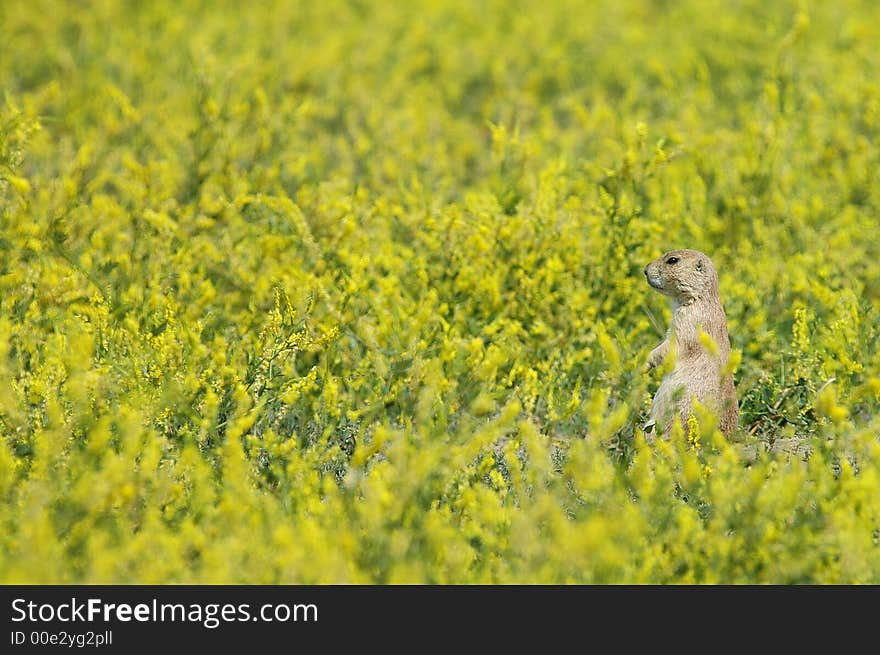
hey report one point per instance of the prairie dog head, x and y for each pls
(683, 275)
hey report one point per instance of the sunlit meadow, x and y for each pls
(351, 292)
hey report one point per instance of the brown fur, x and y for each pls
(692, 285)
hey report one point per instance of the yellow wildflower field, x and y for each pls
(352, 292)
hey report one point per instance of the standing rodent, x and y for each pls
(690, 280)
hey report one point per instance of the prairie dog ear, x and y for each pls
(699, 264)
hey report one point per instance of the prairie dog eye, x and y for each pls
(672, 260)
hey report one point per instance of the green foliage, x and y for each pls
(351, 291)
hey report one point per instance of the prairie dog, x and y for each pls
(690, 280)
